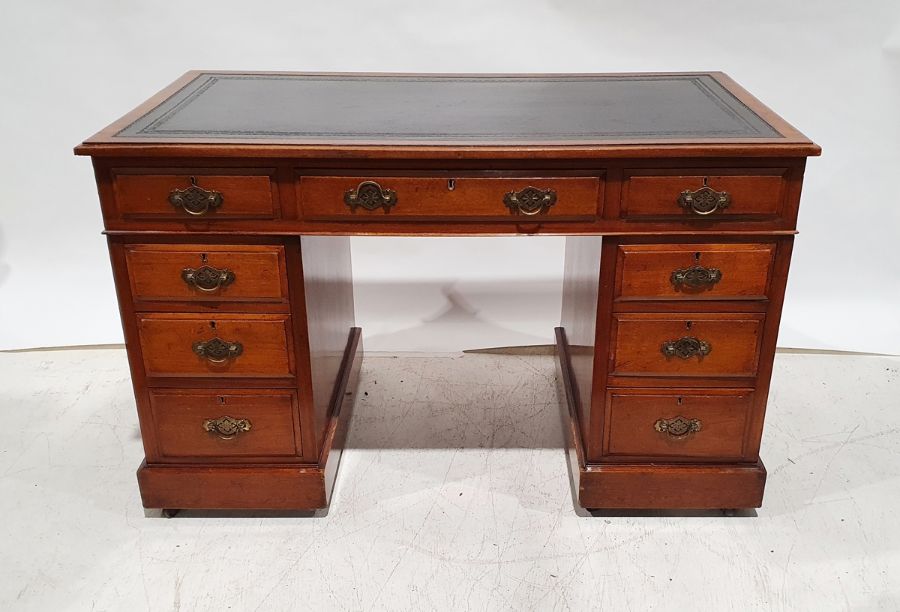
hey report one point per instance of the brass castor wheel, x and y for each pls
(170, 512)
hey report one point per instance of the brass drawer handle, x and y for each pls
(226, 427)
(371, 196)
(704, 201)
(678, 427)
(207, 278)
(218, 350)
(686, 347)
(696, 277)
(530, 201)
(195, 200)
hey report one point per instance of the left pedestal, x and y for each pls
(244, 358)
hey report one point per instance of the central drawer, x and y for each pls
(381, 198)
(230, 346)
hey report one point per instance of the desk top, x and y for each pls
(215, 111)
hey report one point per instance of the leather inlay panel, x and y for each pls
(422, 108)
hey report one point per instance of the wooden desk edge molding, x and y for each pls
(229, 198)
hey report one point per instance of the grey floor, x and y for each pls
(453, 495)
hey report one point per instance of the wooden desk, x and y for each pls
(228, 200)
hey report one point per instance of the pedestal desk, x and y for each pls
(229, 199)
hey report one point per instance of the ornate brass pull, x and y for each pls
(704, 201)
(370, 195)
(686, 347)
(218, 350)
(195, 200)
(226, 427)
(207, 278)
(696, 277)
(530, 201)
(678, 427)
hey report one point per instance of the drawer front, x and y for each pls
(386, 198)
(224, 424)
(686, 344)
(186, 196)
(716, 195)
(196, 272)
(694, 271)
(691, 425)
(231, 346)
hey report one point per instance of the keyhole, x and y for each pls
(706, 181)
(221, 399)
(451, 184)
(203, 258)
(680, 400)
(697, 257)
(688, 324)
(194, 181)
(212, 324)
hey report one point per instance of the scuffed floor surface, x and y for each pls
(453, 495)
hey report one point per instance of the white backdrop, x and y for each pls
(829, 67)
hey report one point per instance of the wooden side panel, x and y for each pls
(581, 286)
(769, 341)
(327, 302)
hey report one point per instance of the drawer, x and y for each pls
(672, 424)
(186, 196)
(717, 344)
(711, 195)
(224, 424)
(694, 271)
(380, 198)
(231, 346)
(196, 272)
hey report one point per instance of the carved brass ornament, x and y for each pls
(696, 277)
(686, 347)
(704, 201)
(678, 427)
(371, 196)
(530, 201)
(218, 350)
(207, 278)
(226, 427)
(195, 200)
